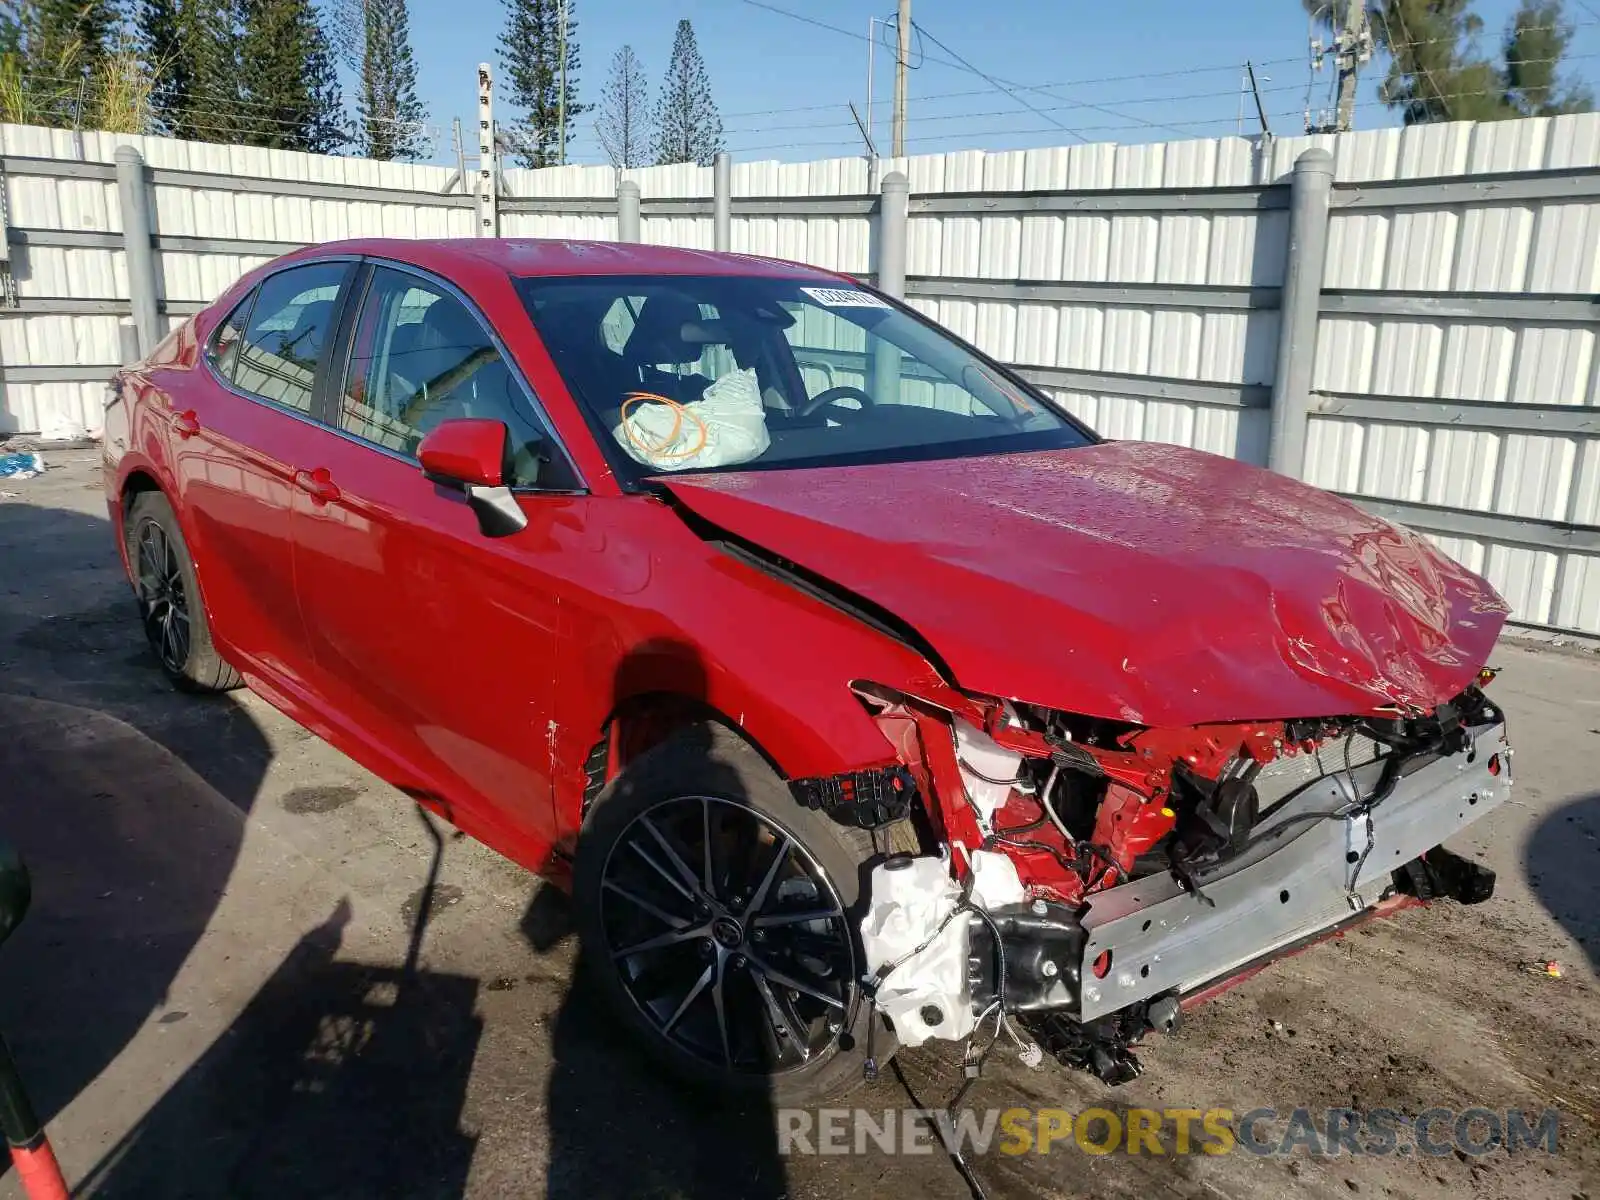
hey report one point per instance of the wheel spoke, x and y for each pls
(673, 857)
(672, 879)
(672, 937)
(795, 918)
(780, 852)
(149, 568)
(720, 1001)
(705, 825)
(699, 986)
(783, 1025)
(666, 918)
(789, 981)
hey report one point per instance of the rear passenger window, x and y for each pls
(224, 349)
(289, 325)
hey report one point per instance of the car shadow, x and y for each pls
(126, 800)
(618, 1124)
(109, 783)
(1562, 862)
(339, 1079)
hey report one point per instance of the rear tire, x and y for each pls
(171, 608)
(754, 946)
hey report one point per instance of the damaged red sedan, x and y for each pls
(859, 693)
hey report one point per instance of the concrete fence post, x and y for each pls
(133, 199)
(894, 202)
(722, 202)
(127, 342)
(488, 188)
(1310, 191)
(627, 211)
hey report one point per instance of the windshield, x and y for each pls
(698, 373)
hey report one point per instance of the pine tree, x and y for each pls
(10, 28)
(347, 33)
(162, 53)
(291, 90)
(531, 56)
(327, 131)
(1535, 44)
(624, 123)
(391, 115)
(190, 51)
(72, 37)
(1436, 72)
(688, 128)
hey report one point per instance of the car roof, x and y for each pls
(566, 256)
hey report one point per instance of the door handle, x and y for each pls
(318, 484)
(186, 424)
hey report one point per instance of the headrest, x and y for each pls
(658, 338)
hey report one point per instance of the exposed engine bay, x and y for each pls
(1088, 879)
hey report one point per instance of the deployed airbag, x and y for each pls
(726, 425)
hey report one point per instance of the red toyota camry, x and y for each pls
(859, 693)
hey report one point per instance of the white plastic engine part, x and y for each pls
(994, 879)
(927, 995)
(982, 761)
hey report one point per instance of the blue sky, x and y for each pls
(1145, 70)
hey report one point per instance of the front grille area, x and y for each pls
(1292, 772)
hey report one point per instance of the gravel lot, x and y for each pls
(210, 996)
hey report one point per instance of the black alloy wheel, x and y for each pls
(727, 935)
(163, 596)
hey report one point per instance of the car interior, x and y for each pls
(675, 337)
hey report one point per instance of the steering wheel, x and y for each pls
(833, 395)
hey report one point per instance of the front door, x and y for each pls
(428, 636)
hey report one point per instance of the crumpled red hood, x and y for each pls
(1130, 580)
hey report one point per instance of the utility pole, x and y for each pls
(872, 53)
(1351, 48)
(461, 155)
(1355, 48)
(561, 102)
(902, 55)
(1255, 90)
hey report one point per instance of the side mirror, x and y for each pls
(466, 451)
(470, 454)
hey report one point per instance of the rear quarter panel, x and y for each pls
(137, 428)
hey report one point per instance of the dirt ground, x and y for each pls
(211, 995)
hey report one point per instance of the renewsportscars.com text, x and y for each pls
(1167, 1131)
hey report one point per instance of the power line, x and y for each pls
(1136, 77)
(1229, 94)
(1010, 88)
(998, 86)
(959, 63)
(1012, 131)
(1185, 71)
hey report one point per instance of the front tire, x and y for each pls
(168, 593)
(719, 919)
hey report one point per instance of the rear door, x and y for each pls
(427, 635)
(239, 431)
